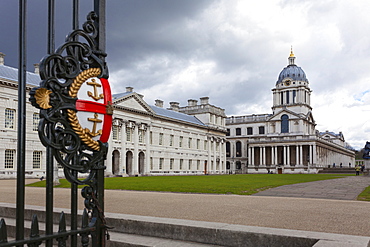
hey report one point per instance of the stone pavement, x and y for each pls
(347, 188)
(297, 213)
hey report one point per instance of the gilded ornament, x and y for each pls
(42, 97)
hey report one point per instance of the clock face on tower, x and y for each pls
(287, 82)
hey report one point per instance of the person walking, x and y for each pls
(357, 169)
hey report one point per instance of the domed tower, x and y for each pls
(292, 90)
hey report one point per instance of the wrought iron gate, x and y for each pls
(64, 72)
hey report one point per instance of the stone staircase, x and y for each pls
(133, 230)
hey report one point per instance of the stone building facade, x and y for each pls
(146, 139)
(151, 140)
(285, 141)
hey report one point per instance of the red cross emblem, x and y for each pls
(93, 119)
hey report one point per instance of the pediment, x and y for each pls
(134, 102)
(291, 115)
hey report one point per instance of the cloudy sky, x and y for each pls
(229, 50)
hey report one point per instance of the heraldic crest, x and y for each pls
(75, 103)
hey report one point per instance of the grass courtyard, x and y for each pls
(245, 184)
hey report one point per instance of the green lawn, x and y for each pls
(365, 195)
(246, 184)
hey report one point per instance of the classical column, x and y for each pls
(264, 156)
(300, 155)
(249, 155)
(276, 155)
(288, 156)
(297, 155)
(272, 155)
(135, 168)
(123, 168)
(252, 157)
(284, 156)
(314, 161)
(261, 156)
(147, 148)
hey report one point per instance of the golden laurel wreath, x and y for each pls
(72, 116)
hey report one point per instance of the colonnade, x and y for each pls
(286, 155)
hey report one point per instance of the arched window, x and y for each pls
(227, 149)
(284, 124)
(238, 149)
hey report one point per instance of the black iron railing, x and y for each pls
(81, 56)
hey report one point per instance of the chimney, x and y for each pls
(175, 106)
(37, 68)
(2, 56)
(204, 100)
(192, 102)
(159, 103)
(129, 89)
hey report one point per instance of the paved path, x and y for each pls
(347, 188)
(319, 215)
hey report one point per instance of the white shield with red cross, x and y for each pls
(94, 109)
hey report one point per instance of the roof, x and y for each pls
(11, 73)
(294, 72)
(165, 112)
(176, 115)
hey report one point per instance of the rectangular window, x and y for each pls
(141, 136)
(228, 132)
(115, 132)
(238, 131)
(36, 159)
(128, 134)
(9, 118)
(161, 160)
(198, 164)
(249, 131)
(181, 163)
(35, 121)
(171, 140)
(151, 163)
(261, 130)
(9, 158)
(180, 141)
(198, 144)
(205, 145)
(189, 143)
(294, 96)
(190, 164)
(151, 137)
(287, 97)
(160, 141)
(171, 164)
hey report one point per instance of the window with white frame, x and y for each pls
(9, 159)
(151, 137)
(151, 163)
(198, 143)
(190, 164)
(198, 164)
(115, 132)
(189, 143)
(9, 118)
(161, 160)
(141, 136)
(181, 164)
(160, 141)
(129, 134)
(171, 164)
(35, 121)
(36, 159)
(205, 145)
(171, 140)
(180, 141)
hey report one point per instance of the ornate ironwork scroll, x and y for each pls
(74, 99)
